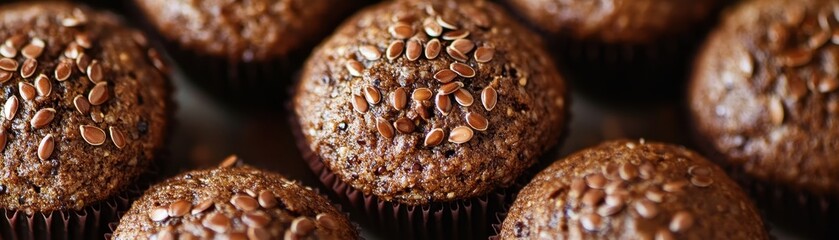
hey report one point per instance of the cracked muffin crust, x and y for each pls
(233, 202)
(630, 21)
(82, 94)
(430, 101)
(763, 96)
(633, 190)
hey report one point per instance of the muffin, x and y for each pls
(624, 49)
(633, 190)
(232, 202)
(80, 96)
(424, 104)
(763, 102)
(242, 51)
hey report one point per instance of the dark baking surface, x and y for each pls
(207, 131)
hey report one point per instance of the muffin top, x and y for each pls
(615, 21)
(763, 95)
(233, 202)
(244, 30)
(632, 190)
(421, 101)
(81, 94)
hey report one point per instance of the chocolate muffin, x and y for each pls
(624, 49)
(242, 51)
(233, 202)
(422, 102)
(84, 114)
(633, 190)
(763, 102)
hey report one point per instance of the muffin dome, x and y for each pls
(421, 101)
(84, 107)
(630, 21)
(632, 190)
(763, 96)
(236, 203)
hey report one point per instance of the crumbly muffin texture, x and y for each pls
(233, 202)
(616, 21)
(633, 190)
(84, 106)
(246, 30)
(763, 96)
(430, 101)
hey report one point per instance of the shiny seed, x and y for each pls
(646, 208)
(8, 64)
(413, 49)
(675, 186)
(5, 76)
(446, 23)
(266, 199)
(795, 58)
(404, 125)
(456, 55)
(258, 234)
(92, 135)
(395, 49)
(699, 170)
(158, 214)
(81, 103)
(578, 187)
(302, 226)
(434, 137)
(398, 98)
(179, 208)
(83, 62)
(257, 219)
(94, 72)
(63, 70)
(117, 137)
(99, 94)
(384, 128)
(456, 34)
(776, 111)
(43, 85)
(609, 210)
(403, 17)
(28, 68)
(445, 75)
(463, 45)
(591, 221)
(476, 121)
(401, 30)
(203, 206)
(484, 54)
(46, 147)
(370, 52)
(464, 97)
(421, 94)
(8, 51)
(596, 181)
(818, 39)
(34, 48)
(654, 195)
(681, 221)
(355, 68)
(462, 69)
(27, 90)
(461, 134)
(489, 97)
(701, 181)
(10, 108)
(73, 50)
(244, 202)
(432, 49)
(443, 103)
(230, 161)
(328, 221)
(827, 85)
(42, 117)
(593, 197)
(449, 88)
(615, 199)
(628, 171)
(372, 95)
(83, 40)
(216, 222)
(432, 28)
(359, 104)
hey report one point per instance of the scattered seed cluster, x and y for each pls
(444, 36)
(20, 56)
(653, 193)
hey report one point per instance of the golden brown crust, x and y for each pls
(763, 94)
(406, 156)
(632, 190)
(618, 21)
(75, 167)
(237, 194)
(243, 30)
